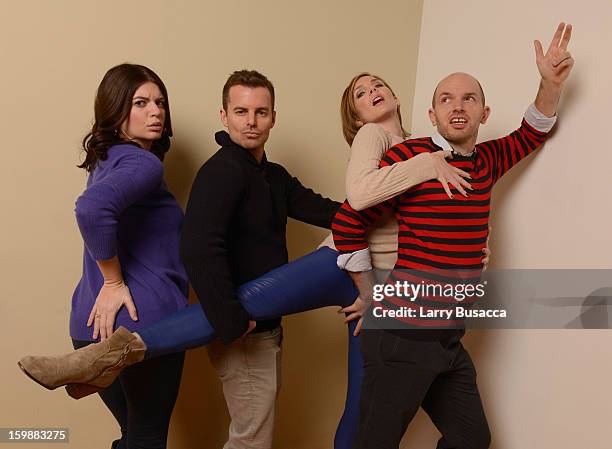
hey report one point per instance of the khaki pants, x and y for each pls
(250, 370)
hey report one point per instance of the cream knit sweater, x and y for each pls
(367, 185)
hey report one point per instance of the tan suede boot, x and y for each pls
(86, 370)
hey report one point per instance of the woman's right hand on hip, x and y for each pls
(112, 296)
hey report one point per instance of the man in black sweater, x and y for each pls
(234, 231)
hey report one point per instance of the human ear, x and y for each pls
(432, 117)
(485, 114)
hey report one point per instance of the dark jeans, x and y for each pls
(142, 398)
(402, 374)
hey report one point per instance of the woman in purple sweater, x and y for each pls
(130, 225)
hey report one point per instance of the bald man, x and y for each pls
(423, 365)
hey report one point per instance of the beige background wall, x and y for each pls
(54, 54)
(542, 389)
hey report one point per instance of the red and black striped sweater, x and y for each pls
(435, 232)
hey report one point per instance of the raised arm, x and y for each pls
(554, 67)
(367, 184)
(540, 117)
(504, 153)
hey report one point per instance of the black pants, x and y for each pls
(142, 398)
(401, 374)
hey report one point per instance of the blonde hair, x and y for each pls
(348, 111)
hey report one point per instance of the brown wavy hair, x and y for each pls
(348, 111)
(112, 107)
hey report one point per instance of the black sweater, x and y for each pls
(234, 229)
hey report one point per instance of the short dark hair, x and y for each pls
(112, 107)
(248, 78)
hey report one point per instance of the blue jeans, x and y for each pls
(308, 283)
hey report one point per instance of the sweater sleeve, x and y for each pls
(122, 182)
(215, 195)
(368, 185)
(305, 205)
(349, 231)
(506, 152)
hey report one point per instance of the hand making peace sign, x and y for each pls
(556, 64)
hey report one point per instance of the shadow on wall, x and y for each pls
(181, 165)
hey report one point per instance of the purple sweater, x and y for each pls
(128, 211)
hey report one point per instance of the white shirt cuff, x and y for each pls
(356, 262)
(538, 120)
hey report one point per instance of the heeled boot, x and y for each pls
(87, 370)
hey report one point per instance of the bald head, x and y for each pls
(454, 79)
